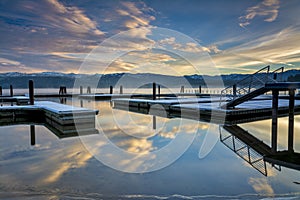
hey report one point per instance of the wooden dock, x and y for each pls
(64, 119)
(19, 100)
(103, 96)
(207, 109)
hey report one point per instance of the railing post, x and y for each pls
(31, 92)
(154, 91)
(199, 89)
(158, 91)
(291, 120)
(0, 90)
(274, 120)
(110, 89)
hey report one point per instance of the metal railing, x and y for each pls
(250, 83)
(244, 151)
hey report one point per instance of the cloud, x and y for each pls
(71, 19)
(7, 62)
(278, 48)
(267, 9)
(190, 47)
(135, 15)
(261, 186)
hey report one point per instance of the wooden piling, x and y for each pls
(0, 90)
(111, 89)
(32, 135)
(182, 89)
(154, 122)
(158, 90)
(11, 90)
(200, 89)
(62, 90)
(31, 92)
(234, 90)
(154, 91)
(291, 120)
(274, 120)
(81, 90)
(88, 90)
(121, 89)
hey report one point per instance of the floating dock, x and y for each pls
(19, 100)
(63, 119)
(103, 96)
(207, 109)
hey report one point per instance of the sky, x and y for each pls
(233, 36)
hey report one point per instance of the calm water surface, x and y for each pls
(63, 168)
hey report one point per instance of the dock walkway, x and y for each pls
(206, 108)
(66, 119)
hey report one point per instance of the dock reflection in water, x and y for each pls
(58, 168)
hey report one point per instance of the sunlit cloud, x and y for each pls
(53, 35)
(134, 16)
(190, 47)
(279, 48)
(261, 186)
(72, 19)
(267, 9)
(6, 62)
(73, 157)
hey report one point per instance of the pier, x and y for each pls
(63, 119)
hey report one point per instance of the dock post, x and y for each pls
(199, 89)
(32, 135)
(111, 89)
(154, 122)
(81, 90)
(182, 89)
(234, 90)
(274, 120)
(291, 121)
(88, 90)
(0, 90)
(11, 90)
(158, 91)
(31, 92)
(154, 91)
(62, 90)
(121, 89)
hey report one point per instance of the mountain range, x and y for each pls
(56, 79)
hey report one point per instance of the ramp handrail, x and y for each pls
(249, 83)
(242, 87)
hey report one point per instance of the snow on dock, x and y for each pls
(246, 112)
(208, 109)
(65, 119)
(20, 100)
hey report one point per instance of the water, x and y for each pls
(64, 169)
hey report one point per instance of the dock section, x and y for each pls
(62, 119)
(207, 109)
(102, 96)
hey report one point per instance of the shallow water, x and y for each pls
(65, 168)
